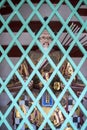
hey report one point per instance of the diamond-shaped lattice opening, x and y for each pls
(77, 24)
(82, 11)
(25, 102)
(55, 55)
(35, 24)
(77, 55)
(45, 39)
(56, 85)
(83, 39)
(5, 10)
(55, 24)
(66, 70)
(46, 69)
(76, 51)
(25, 14)
(35, 55)
(57, 118)
(36, 117)
(16, 22)
(3, 72)
(67, 102)
(66, 38)
(64, 100)
(4, 104)
(74, 27)
(78, 118)
(25, 69)
(64, 11)
(37, 85)
(15, 52)
(4, 41)
(25, 39)
(45, 9)
(71, 103)
(84, 101)
(77, 85)
(74, 3)
(13, 59)
(14, 84)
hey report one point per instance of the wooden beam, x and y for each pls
(36, 25)
(6, 8)
(73, 2)
(18, 53)
(82, 12)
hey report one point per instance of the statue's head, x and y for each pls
(45, 39)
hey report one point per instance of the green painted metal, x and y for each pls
(35, 11)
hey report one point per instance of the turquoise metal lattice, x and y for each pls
(35, 41)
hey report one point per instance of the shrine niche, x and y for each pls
(45, 68)
(35, 86)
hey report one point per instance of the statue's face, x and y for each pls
(45, 39)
